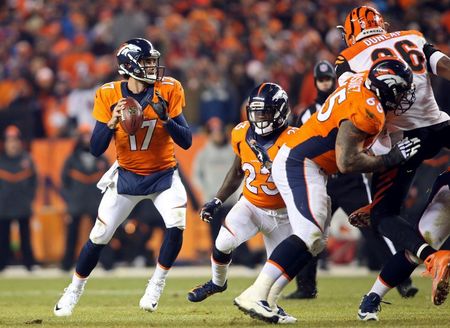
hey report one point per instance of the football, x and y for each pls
(132, 116)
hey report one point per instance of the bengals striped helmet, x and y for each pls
(361, 22)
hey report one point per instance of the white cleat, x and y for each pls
(149, 302)
(64, 307)
(284, 317)
(257, 309)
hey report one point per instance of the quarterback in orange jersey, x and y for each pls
(261, 208)
(335, 138)
(145, 168)
(365, 34)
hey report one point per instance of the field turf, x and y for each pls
(113, 302)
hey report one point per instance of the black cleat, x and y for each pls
(407, 290)
(302, 294)
(201, 292)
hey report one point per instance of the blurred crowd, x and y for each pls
(55, 53)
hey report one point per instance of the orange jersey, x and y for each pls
(259, 188)
(151, 149)
(316, 139)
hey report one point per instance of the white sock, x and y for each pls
(276, 289)
(160, 273)
(219, 272)
(265, 280)
(79, 282)
(380, 287)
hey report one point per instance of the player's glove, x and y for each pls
(401, 152)
(208, 210)
(160, 107)
(261, 154)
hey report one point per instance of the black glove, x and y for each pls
(401, 152)
(261, 154)
(160, 107)
(208, 210)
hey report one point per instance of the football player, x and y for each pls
(434, 227)
(365, 34)
(261, 208)
(348, 192)
(334, 139)
(145, 168)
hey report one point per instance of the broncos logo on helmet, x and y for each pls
(392, 81)
(361, 22)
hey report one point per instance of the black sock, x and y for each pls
(291, 254)
(171, 246)
(221, 257)
(402, 234)
(88, 258)
(397, 269)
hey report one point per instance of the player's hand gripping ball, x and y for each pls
(131, 116)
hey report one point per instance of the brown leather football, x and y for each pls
(132, 116)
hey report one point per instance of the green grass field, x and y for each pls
(113, 302)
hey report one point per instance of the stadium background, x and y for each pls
(54, 54)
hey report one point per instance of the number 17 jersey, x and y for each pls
(151, 149)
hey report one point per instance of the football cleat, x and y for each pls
(64, 307)
(302, 294)
(256, 309)
(361, 217)
(406, 289)
(201, 292)
(284, 317)
(149, 302)
(437, 267)
(369, 307)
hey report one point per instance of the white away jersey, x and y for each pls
(408, 46)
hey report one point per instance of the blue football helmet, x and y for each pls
(267, 108)
(139, 59)
(392, 81)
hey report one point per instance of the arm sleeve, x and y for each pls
(432, 55)
(179, 131)
(342, 66)
(100, 139)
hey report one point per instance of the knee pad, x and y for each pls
(177, 218)
(225, 241)
(99, 233)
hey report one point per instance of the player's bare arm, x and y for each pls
(112, 123)
(350, 153)
(232, 180)
(443, 67)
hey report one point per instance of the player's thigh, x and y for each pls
(171, 204)
(303, 187)
(434, 225)
(238, 226)
(113, 210)
(276, 236)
